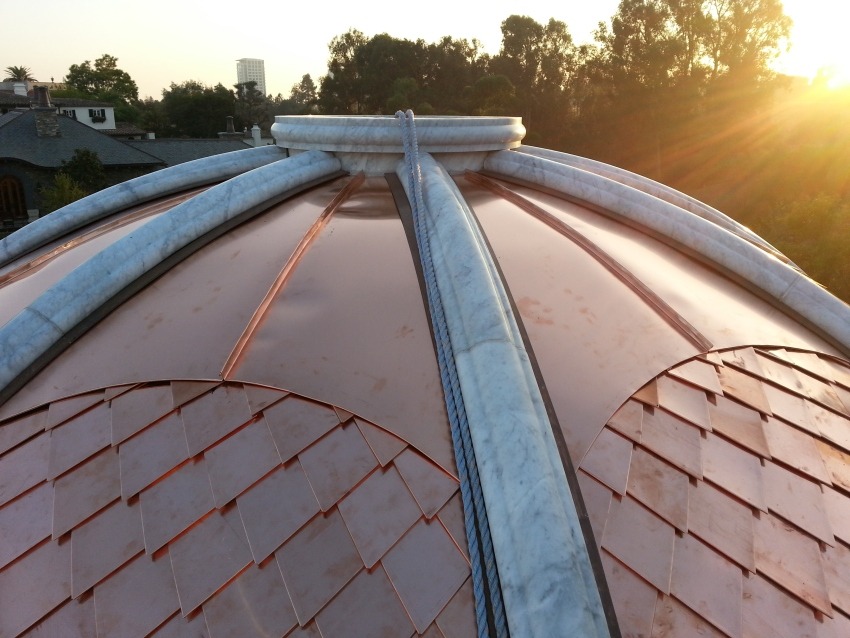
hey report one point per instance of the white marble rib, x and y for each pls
(72, 299)
(656, 189)
(778, 281)
(133, 192)
(546, 578)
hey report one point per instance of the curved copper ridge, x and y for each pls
(721, 491)
(221, 507)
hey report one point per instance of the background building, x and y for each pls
(252, 70)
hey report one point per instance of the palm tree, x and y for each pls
(18, 74)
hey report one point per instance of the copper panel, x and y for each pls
(384, 445)
(580, 317)
(708, 584)
(214, 416)
(451, 516)
(103, 544)
(836, 567)
(367, 608)
(746, 389)
(24, 467)
(207, 556)
(316, 563)
(836, 627)
(457, 620)
(734, 470)
(430, 485)
(73, 442)
(822, 393)
(768, 611)
(195, 626)
(648, 394)
(673, 440)
(310, 631)
(83, 491)
(723, 523)
(61, 411)
(628, 420)
(433, 631)
(117, 390)
(255, 604)
(699, 373)
(634, 598)
(684, 400)
(791, 559)
(295, 423)
(426, 569)
(745, 359)
(340, 338)
(74, 618)
(832, 426)
(336, 463)
(260, 397)
(152, 454)
(239, 461)
(137, 599)
(33, 586)
(184, 326)
(838, 512)
(608, 460)
(275, 508)
(641, 540)
(779, 372)
(674, 620)
(836, 370)
(798, 500)
(184, 391)
(25, 522)
(378, 513)
(661, 487)
(739, 423)
(175, 503)
(809, 362)
(795, 448)
(14, 432)
(137, 409)
(837, 464)
(597, 501)
(790, 408)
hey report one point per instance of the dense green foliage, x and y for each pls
(18, 74)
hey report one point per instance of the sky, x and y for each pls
(162, 41)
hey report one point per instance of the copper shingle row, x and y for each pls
(719, 498)
(192, 508)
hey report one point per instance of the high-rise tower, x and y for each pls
(252, 70)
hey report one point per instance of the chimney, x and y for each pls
(151, 135)
(230, 128)
(20, 88)
(46, 120)
(230, 133)
(255, 134)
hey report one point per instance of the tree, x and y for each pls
(250, 105)
(303, 94)
(18, 74)
(103, 80)
(197, 110)
(61, 192)
(86, 169)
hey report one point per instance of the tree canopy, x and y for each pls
(194, 109)
(18, 74)
(102, 80)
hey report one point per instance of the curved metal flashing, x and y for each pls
(67, 304)
(547, 581)
(776, 281)
(133, 192)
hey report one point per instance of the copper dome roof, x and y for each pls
(387, 379)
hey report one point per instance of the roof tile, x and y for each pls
(214, 416)
(790, 408)
(700, 374)
(739, 423)
(661, 487)
(207, 556)
(597, 502)
(367, 607)
(74, 618)
(837, 464)
(384, 445)
(24, 467)
(426, 569)
(768, 611)
(295, 423)
(628, 420)
(25, 522)
(838, 512)
(254, 604)
(797, 500)
(832, 426)
(76, 440)
(734, 470)
(378, 513)
(451, 516)
(836, 567)
(193, 626)
(184, 391)
(429, 484)
(608, 460)
(18, 430)
(457, 620)
(796, 449)
(673, 440)
(152, 454)
(722, 522)
(634, 599)
(83, 491)
(317, 563)
(138, 408)
(62, 410)
(745, 388)
(684, 400)
(673, 620)
(260, 397)
(103, 544)
(743, 358)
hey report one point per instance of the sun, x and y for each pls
(818, 42)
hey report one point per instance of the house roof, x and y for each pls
(350, 383)
(177, 151)
(19, 140)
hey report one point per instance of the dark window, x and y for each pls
(12, 203)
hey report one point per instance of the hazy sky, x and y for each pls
(158, 42)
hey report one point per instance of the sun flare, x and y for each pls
(818, 42)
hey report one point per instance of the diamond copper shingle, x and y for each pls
(152, 454)
(295, 423)
(684, 400)
(768, 611)
(84, 490)
(19, 430)
(628, 420)
(798, 500)
(214, 416)
(25, 522)
(24, 467)
(138, 408)
(699, 373)
(739, 423)
(78, 439)
(384, 445)
(634, 598)
(661, 487)
(62, 410)
(608, 460)
(674, 440)
(597, 502)
(745, 388)
(722, 522)
(733, 469)
(431, 485)
(796, 449)
(458, 616)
